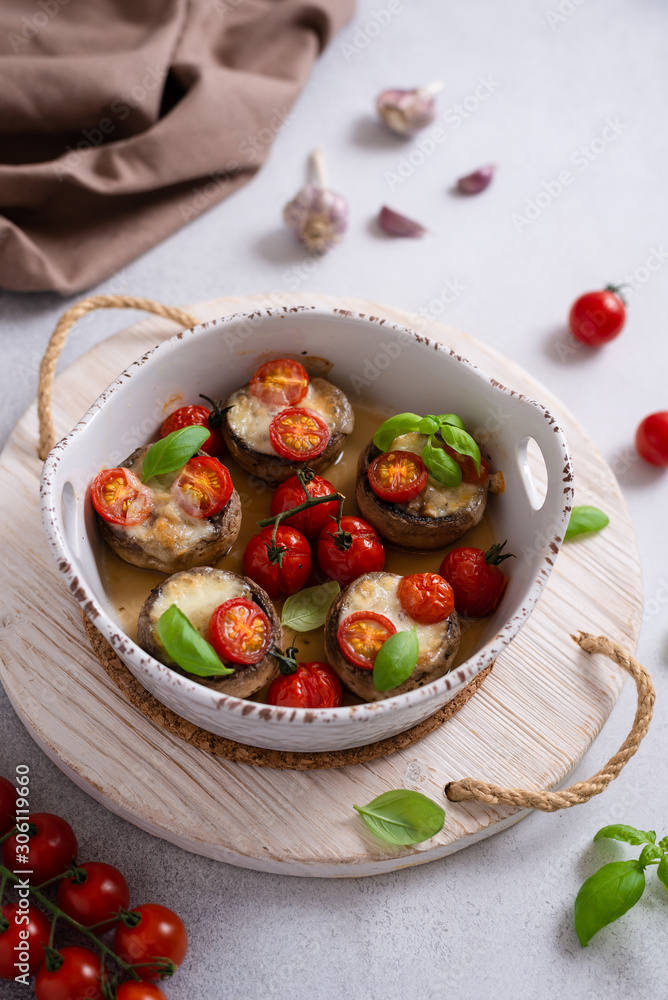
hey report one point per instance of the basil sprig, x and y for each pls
(396, 660)
(185, 646)
(443, 427)
(172, 452)
(403, 817)
(307, 609)
(585, 519)
(401, 423)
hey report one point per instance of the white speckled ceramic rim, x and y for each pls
(143, 664)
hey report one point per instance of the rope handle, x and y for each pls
(47, 370)
(471, 790)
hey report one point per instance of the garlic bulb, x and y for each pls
(317, 216)
(405, 112)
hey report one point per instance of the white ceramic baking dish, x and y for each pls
(378, 362)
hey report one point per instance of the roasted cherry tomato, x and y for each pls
(8, 799)
(51, 849)
(597, 317)
(280, 383)
(313, 685)
(77, 977)
(15, 947)
(651, 439)
(203, 488)
(93, 892)
(470, 474)
(120, 497)
(426, 597)
(475, 578)
(356, 549)
(132, 990)
(196, 416)
(240, 631)
(281, 567)
(298, 434)
(157, 933)
(310, 522)
(361, 635)
(397, 476)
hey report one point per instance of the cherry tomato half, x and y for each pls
(281, 568)
(477, 582)
(78, 976)
(49, 851)
(195, 416)
(651, 439)
(203, 488)
(344, 557)
(132, 990)
(397, 476)
(16, 947)
(310, 522)
(280, 383)
(8, 799)
(361, 635)
(313, 685)
(120, 497)
(240, 631)
(102, 892)
(298, 434)
(597, 317)
(426, 597)
(160, 933)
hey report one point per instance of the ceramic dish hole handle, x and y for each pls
(472, 790)
(47, 436)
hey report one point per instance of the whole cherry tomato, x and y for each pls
(313, 685)
(95, 891)
(298, 434)
(49, 850)
(8, 799)
(157, 933)
(280, 383)
(397, 476)
(22, 939)
(475, 578)
(469, 472)
(120, 497)
(203, 487)
(426, 597)
(597, 317)
(291, 493)
(652, 438)
(240, 631)
(282, 566)
(361, 635)
(198, 416)
(132, 990)
(346, 554)
(78, 977)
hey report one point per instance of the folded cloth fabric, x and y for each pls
(121, 120)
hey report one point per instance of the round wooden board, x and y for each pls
(528, 726)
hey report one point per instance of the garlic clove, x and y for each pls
(395, 224)
(477, 181)
(405, 112)
(317, 216)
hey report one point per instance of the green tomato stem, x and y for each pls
(311, 502)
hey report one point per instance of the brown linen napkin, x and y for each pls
(121, 120)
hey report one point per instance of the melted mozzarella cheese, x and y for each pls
(197, 595)
(436, 499)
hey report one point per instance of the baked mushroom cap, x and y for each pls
(406, 525)
(245, 429)
(170, 540)
(378, 592)
(197, 593)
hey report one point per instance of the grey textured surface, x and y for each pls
(494, 920)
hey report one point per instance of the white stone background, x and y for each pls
(494, 920)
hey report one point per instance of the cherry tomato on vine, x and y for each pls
(597, 317)
(397, 476)
(280, 383)
(77, 977)
(95, 891)
(475, 578)
(426, 597)
(8, 799)
(240, 631)
(281, 567)
(298, 434)
(361, 635)
(120, 497)
(310, 522)
(196, 416)
(356, 549)
(203, 487)
(50, 850)
(158, 933)
(313, 685)
(14, 947)
(132, 990)
(652, 439)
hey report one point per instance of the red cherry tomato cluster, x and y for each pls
(296, 432)
(292, 493)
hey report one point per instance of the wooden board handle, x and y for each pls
(47, 437)
(471, 790)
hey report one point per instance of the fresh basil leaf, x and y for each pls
(451, 418)
(429, 424)
(403, 817)
(440, 465)
(396, 660)
(663, 844)
(649, 853)
(308, 608)
(606, 896)
(172, 452)
(401, 423)
(662, 870)
(585, 519)
(185, 646)
(462, 442)
(629, 834)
